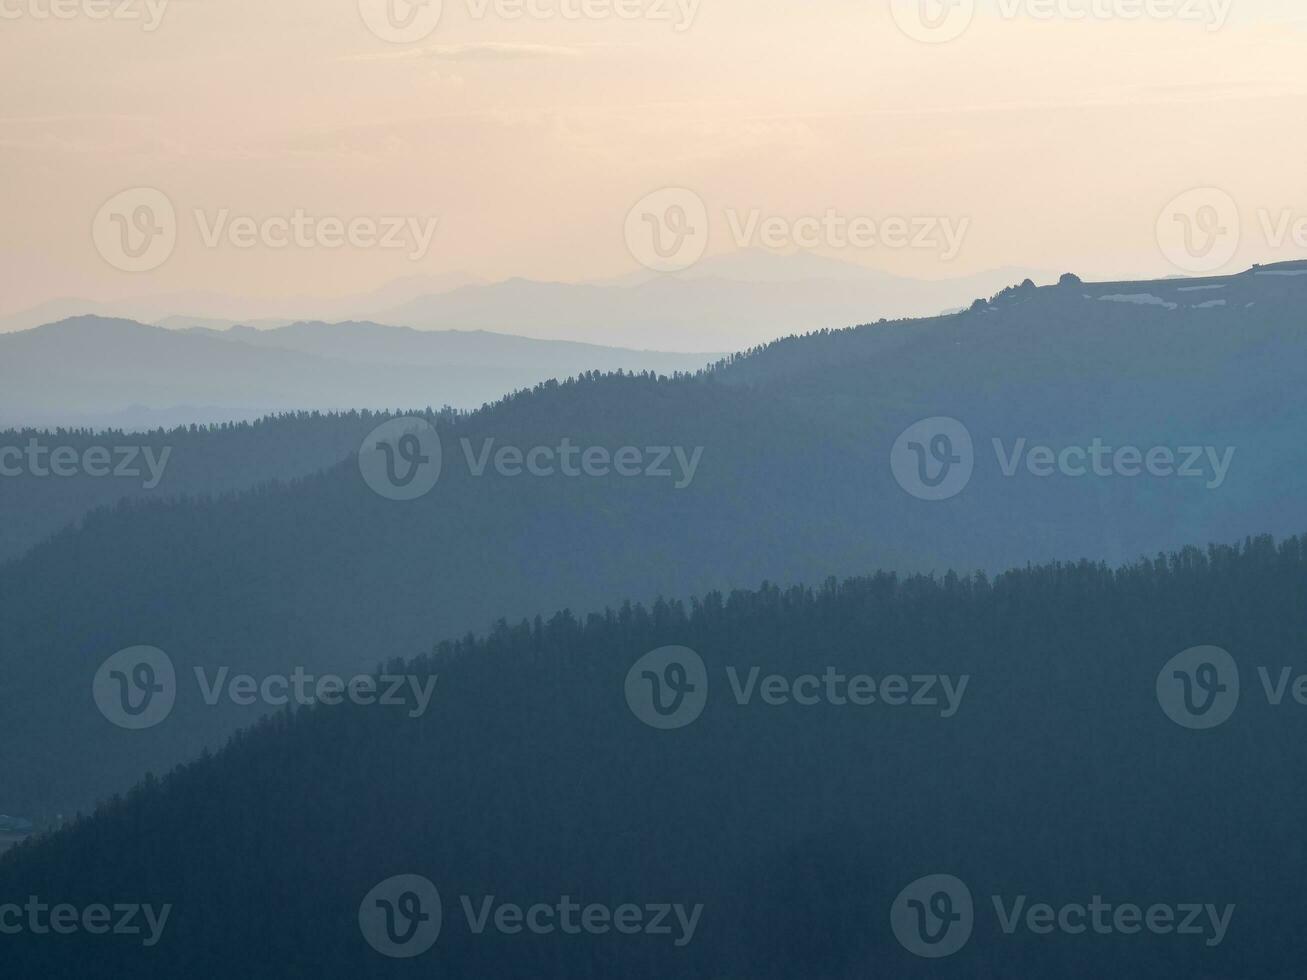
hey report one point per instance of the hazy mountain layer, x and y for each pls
(1101, 427)
(94, 371)
(161, 464)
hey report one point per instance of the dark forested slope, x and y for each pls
(187, 461)
(794, 826)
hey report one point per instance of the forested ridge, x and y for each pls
(200, 460)
(794, 826)
(793, 483)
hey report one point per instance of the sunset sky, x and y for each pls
(1058, 140)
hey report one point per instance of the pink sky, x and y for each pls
(1058, 139)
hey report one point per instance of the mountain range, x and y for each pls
(728, 301)
(787, 471)
(96, 372)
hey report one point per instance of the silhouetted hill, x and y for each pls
(724, 303)
(794, 826)
(83, 370)
(186, 461)
(792, 480)
(520, 361)
(132, 389)
(1076, 318)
